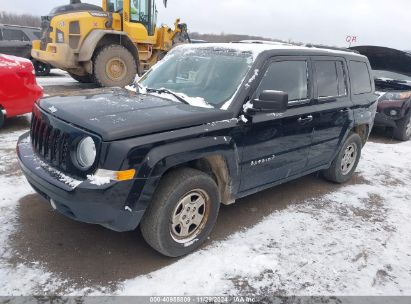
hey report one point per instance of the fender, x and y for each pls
(90, 43)
(160, 159)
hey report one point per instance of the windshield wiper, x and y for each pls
(166, 91)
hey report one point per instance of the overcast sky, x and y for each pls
(374, 22)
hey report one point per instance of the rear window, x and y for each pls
(360, 78)
(330, 79)
(14, 35)
(37, 34)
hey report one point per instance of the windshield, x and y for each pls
(390, 75)
(206, 74)
(114, 5)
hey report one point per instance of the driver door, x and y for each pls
(139, 20)
(275, 146)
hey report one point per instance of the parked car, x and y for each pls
(16, 40)
(392, 74)
(209, 124)
(18, 87)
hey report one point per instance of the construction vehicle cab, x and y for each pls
(108, 45)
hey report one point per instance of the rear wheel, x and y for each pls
(2, 118)
(403, 129)
(114, 66)
(83, 79)
(41, 69)
(345, 163)
(182, 213)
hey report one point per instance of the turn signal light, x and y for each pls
(116, 175)
(126, 175)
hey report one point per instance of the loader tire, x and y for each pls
(82, 79)
(114, 66)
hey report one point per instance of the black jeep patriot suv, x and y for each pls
(207, 125)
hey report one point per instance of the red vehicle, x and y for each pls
(18, 87)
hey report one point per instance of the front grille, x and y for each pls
(49, 143)
(74, 27)
(74, 34)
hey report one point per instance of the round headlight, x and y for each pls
(86, 152)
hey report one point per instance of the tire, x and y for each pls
(2, 119)
(403, 129)
(157, 225)
(114, 66)
(41, 69)
(82, 79)
(343, 167)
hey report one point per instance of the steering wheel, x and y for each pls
(143, 17)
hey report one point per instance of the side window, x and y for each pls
(14, 35)
(360, 78)
(139, 11)
(287, 76)
(37, 34)
(330, 79)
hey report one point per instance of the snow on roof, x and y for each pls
(258, 48)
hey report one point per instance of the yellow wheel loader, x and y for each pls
(107, 45)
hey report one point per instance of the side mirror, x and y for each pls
(271, 101)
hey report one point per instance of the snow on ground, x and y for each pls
(57, 77)
(355, 241)
(20, 280)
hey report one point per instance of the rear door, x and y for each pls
(275, 146)
(332, 115)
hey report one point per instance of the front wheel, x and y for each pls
(114, 66)
(403, 129)
(346, 161)
(182, 213)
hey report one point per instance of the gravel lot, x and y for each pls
(306, 237)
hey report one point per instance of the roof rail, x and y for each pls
(21, 26)
(320, 46)
(262, 42)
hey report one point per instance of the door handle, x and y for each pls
(304, 120)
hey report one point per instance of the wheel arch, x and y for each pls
(216, 167)
(97, 39)
(363, 130)
(217, 157)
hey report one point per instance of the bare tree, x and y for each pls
(19, 19)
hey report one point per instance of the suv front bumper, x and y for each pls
(79, 199)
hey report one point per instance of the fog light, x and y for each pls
(393, 113)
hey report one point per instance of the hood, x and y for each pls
(118, 113)
(383, 58)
